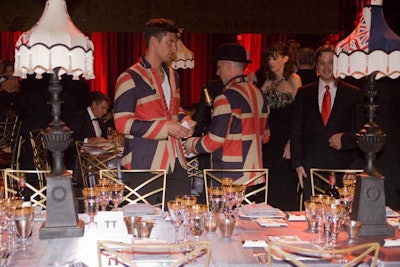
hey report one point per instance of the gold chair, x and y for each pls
(152, 253)
(322, 176)
(255, 175)
(137, 197)
(298, 254)
(9, 129)
(40, 153)
(11, 185)
(93, 158)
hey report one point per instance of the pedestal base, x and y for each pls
(63, 231)
(378, 229)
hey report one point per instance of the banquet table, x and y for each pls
(82, 251)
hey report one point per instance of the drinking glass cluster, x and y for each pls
(325, 216)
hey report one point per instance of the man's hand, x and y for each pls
(190, 124)
(301, 174)
(336, 141)
(286, 151)
(175, 129)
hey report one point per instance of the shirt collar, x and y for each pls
(92, 116)
(236, 79)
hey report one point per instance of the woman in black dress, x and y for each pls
(280, 88)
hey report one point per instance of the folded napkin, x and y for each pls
(260, 209)
(138, 209)
(296, 218)
(391, 242)
(254, 243)
(265, 222)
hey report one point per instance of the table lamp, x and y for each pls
(56, 46)
(371, 50)
(183, 57)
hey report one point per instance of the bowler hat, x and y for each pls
(232, 52)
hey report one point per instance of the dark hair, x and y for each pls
(305, 56)
(99, 97)
(322, 49)
(158, 27)
(273, 52)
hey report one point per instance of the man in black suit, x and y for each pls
(87, 125)
(315, 143)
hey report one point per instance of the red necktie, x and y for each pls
(326, 105)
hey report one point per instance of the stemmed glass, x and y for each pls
(91, 203)
(313, 214)
(9, 205)
(197, 220)
(176, 215)
(230, 197)
(104, 195)
(240, 194)
(23, 220)
(335, 217)
(186, 201)
(117, 193)
(216, 199)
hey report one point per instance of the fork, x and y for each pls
(260, 254)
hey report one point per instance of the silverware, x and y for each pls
(261, 255)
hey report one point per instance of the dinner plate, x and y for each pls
(272, 213)
(391, 213)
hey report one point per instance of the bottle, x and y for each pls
(23, 193)
(332, 191)
(208, 99)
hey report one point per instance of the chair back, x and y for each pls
(93, 158)
(212, 177)
(154, 254)
(139, 194)
(40, 153)
(299, 255)
(320, 178)
(9, 129)
(11, 185)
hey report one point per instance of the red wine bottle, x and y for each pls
(332, 191)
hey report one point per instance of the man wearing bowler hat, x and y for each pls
(238, 124)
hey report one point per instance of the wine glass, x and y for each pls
(197, 220)
(9, 205)
(313, 214)
(176, 215)
(104, 181)
(240, 194)
(91, 203)
(186, 201)
(23, 220)
(335, 218)
(216, 199)
(117, 193)
(230, 197)
(104, 195)
(110, 133)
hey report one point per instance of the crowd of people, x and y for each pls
(295, 116)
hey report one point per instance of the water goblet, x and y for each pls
(216, 199)
(117, 193)
(104, 195)
(313, 214)
(91, 203)
(186, 201)
(197, 220)
(176, 215)
(23, 220)
(226, 182)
